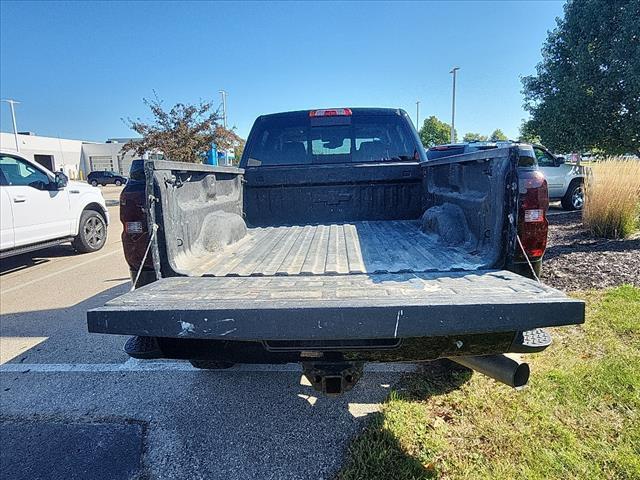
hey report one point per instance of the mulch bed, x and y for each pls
(575, 260)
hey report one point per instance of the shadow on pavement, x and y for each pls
(66, 339)
(26, 260)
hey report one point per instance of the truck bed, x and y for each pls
(356, 247)
(335, 263)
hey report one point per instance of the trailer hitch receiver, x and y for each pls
(332, 378)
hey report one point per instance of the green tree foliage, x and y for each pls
(237, 151)
(184, 133)
(497, 135)
(435, 132)
(527, 134)
(473, 137)
(586, 91)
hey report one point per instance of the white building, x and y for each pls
(76, 158)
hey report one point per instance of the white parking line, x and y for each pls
(58, 272)
(133, 365)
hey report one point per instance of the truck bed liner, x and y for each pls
(356, 247)
(337, 307)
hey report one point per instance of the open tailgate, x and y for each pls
(333, 307)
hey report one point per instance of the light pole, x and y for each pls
(11, 103)
(417, 114)
(453, 106)
(224, 117)
(224, 108)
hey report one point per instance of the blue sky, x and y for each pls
(78, 68)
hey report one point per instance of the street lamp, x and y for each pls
(224, 107)
(11, 103)
(418, 115)
(223, 94)
(453, 105)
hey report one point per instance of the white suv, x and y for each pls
(565, 180)
(39, 209)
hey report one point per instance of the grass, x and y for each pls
(579, 418)
(612, 198)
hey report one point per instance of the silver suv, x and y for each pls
(565, 180)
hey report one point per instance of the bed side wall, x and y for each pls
(472, 199)
(198, 209)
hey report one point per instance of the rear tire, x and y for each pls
(92, 232)
(210, 364)
(574, 198)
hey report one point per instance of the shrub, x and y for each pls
(612, 197)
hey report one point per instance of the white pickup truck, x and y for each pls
(39, 209)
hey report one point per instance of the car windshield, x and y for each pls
(338, 139)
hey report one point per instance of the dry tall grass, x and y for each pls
(612, 197)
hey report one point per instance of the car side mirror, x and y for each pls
(560, 160)
(60, 180)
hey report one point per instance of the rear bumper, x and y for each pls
(395, 350)
(345, 351)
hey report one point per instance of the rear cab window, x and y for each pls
(300, 138)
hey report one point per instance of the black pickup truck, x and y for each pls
(336, 243)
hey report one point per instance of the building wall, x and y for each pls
(105, 156)
(76, 158)
(66, 153)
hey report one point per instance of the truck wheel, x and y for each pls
(94, 183)
(210, 364)
(574, 198)
(92, 232)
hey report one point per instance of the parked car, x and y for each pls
(337, 242)
(104, 177)
(566, 180)
(40, 209)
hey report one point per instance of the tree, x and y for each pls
(527, 135)
(237, 151)
(184, 133)
(586, 91)
(498, 135)
(473, 137)
(434, 132)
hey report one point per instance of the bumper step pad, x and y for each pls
(531, 341)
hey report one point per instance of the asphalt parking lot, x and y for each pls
(74, 406)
